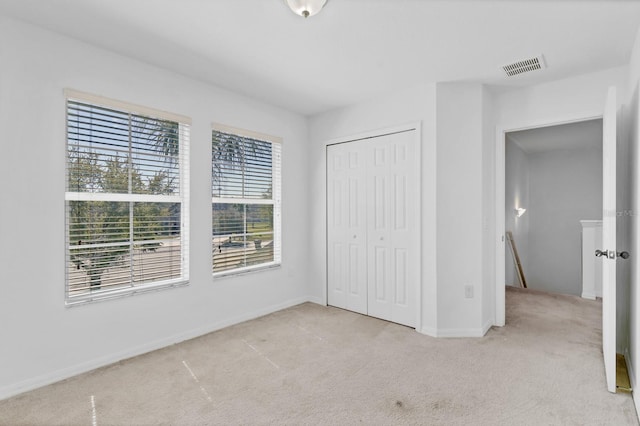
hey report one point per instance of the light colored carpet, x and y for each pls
(316, 365)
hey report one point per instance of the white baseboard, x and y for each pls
(457, 332)
(429, 331)
(487, 326)
(591, 296)
(316, 300)
(13, 389)
(461, 332)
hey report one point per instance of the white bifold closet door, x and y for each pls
(347, 227)
(372, 226)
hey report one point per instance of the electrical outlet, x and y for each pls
(468, 291)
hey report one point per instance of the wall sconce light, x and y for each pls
(520, 211)
(306, 8)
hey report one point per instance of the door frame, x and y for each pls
(412, 126)
(500, 172)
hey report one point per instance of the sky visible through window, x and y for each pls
(241, 167)
(102, 142)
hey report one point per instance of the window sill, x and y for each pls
(99, 296)
(247, 270)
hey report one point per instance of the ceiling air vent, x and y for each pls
(526, 65)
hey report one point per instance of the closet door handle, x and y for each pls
(623, 254)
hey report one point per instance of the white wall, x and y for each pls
(623, 221)
(459, 203)
(575, 97)
(489, 209)
(565, 187)
(517, 195)
(633, 128)
(41, 339)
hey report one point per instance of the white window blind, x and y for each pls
(126, 201)
(245, 189)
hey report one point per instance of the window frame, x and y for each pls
(182, 198)
(276, 200)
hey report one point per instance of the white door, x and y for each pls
(372, 227)
(392, 228)
(346, 228)
(608, 250)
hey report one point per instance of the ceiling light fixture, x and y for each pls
(306, 8)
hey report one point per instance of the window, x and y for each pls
(126, 199)
(245, 190)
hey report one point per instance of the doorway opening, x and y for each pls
(553, 189)
(500, 208)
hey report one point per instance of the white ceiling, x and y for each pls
(353, 50)
(580, 135)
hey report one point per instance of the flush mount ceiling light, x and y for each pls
(306, 8)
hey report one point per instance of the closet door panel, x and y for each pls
(346, 236)
(404, 227)
(336, 228)
(356, 229)
(378, 218)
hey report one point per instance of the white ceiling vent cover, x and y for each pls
(525, 65)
